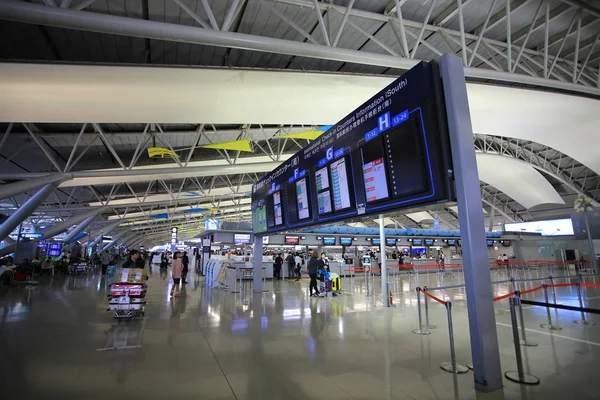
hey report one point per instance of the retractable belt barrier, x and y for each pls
(517, 318)
(449, 366)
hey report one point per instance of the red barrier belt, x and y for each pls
(504, 297)
(589, 285)
(562, 285)
(535, 289)
(434, 298)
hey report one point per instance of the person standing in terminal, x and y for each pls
(105, 260)
(313, 266)
(277, 266)
(298, 261)
(291, 265)
(185, 261)
(176, 270)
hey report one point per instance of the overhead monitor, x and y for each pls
(376, 242)
(555, 227)
(324, 200)
(292, 239)
(408, 162)
(429, 242)
(451, 242)
(302, 199)
(329, 241)
(374, 171)
(490, 242)
(392, 153)
(417, 242)
(341, 182)
(241, 238)
(346, 241)
(259, 217)
(390, 242)
(54, 249)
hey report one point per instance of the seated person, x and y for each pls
(7, 272)
(48, 266)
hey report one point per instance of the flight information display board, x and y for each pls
(392, 153)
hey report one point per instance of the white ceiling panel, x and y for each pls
(517, 179)
(420, 216)
(66, 93)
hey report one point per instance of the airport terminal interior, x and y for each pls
(299, 199)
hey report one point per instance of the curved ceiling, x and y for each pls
(71, 93)
(518, 180)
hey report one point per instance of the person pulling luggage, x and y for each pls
(313, 266)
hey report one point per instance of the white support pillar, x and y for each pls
(482, 322)
(257, 264)
(492, 215)
(385, 296)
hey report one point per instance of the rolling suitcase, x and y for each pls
(336, 284)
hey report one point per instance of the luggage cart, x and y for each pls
(331, 284)
(127, 300)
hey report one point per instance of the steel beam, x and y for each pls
(78, 229)
(148, 174)
(81, 20)
(105, 231)
(56, 229)
(119, 236)
(343, 23)
(25, 210)
(12, 189)
(6, 250)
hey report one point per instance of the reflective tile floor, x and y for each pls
(58, 342)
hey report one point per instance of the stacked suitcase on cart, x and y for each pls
(127, 298)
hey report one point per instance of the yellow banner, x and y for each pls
(161, 152)
(310, 135)
(237, 145)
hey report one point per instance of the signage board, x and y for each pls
(241, 238)
(211, 224)
(329, 240)
(292, 240)
(31, 235)
(346, 241)
(391, 153)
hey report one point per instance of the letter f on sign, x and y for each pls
(384, 122)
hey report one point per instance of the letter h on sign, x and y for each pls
(384, 122)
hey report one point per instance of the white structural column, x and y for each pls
(385, 295)
(482, 321)
(257, 264)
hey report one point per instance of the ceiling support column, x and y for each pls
(26, 210)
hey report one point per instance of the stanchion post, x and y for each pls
(452, 366)
(519, 375)
(582, 321)
(426, 300)
(549, 324)
(514, 284)
(553, 288)
(420, 331)
(523, 342)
